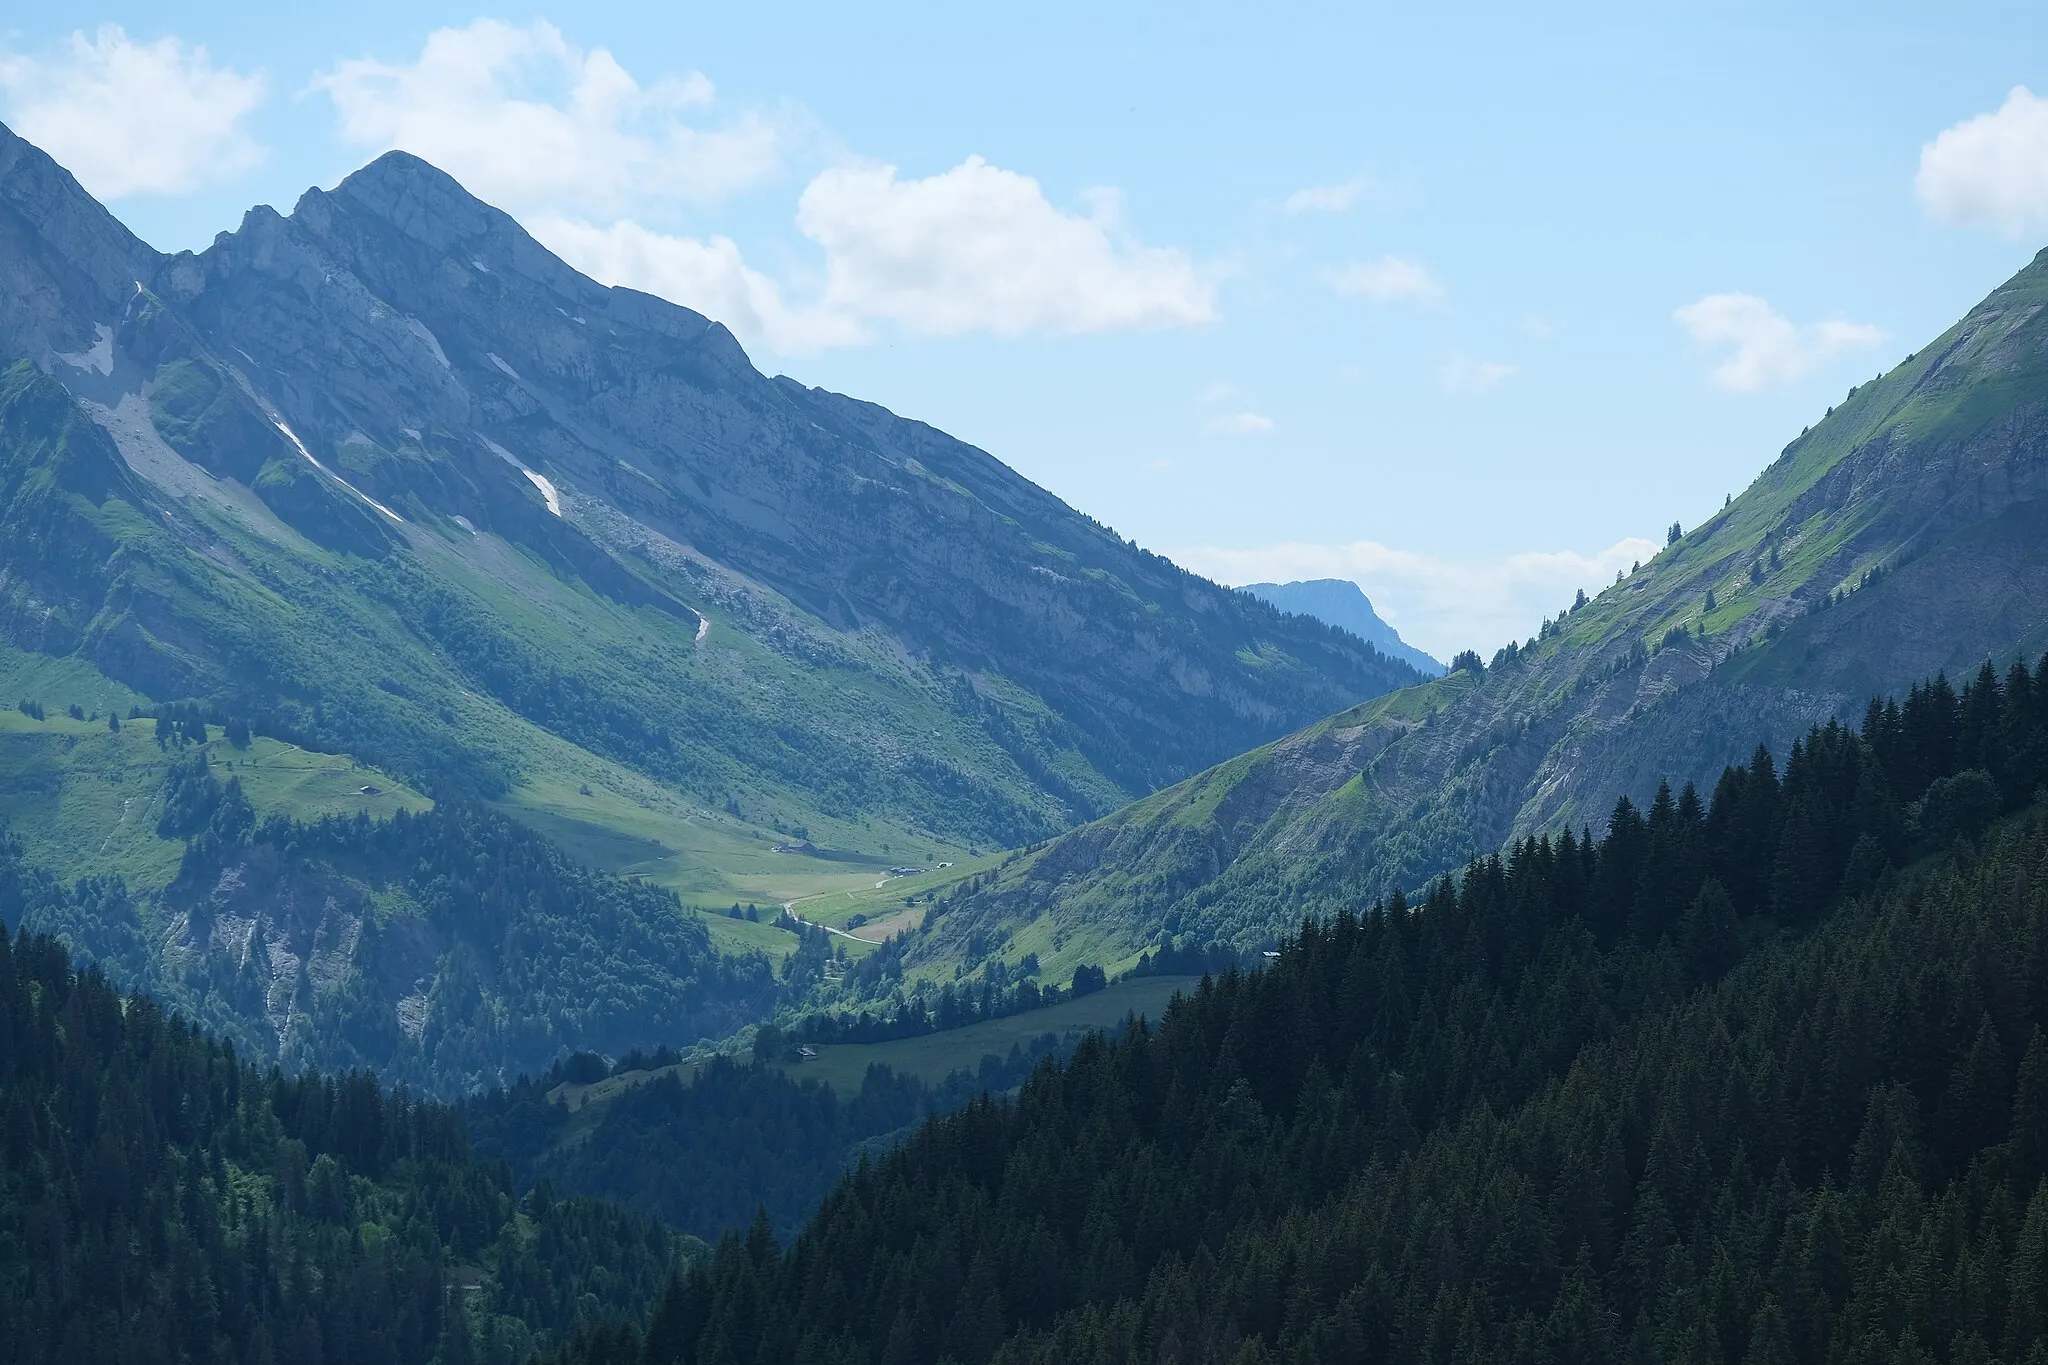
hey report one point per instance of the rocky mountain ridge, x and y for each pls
(1902, 536)
(399, 375)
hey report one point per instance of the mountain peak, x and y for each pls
(429, 208)
(419, 199)
(1342, 603)
(403, 164)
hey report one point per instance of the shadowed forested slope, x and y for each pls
(705, 1148)
(163, 1201)
(1722, 1085)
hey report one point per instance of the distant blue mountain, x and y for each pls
(1341, 603)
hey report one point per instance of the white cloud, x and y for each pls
(1439, 605)
(980, 249)
(1991, 171)
(1463, 374)
(975, 249)
(1325, 198)
(1238, 424)
(588, 157)
(1390, 279)
(1768, 349)
(1244, 423)
(708, 276)
(528, 120)
(128, 118)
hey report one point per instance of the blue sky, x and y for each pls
(1464, 303)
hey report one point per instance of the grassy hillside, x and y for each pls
(87, 800)
(440, 944)
(932, 1057)
(1904, 534)
(320, 649)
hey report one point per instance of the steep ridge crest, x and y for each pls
(1904, 535)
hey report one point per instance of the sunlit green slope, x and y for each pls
(1905, 533)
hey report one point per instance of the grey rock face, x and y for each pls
(66, 266)
(396, 360)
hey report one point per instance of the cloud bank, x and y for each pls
(1390, 279)
(1991, 171)
(980, 249)
(132, 118)
(707, 275)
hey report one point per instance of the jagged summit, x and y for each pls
(417, 198)
(399, 174)
(431, 208)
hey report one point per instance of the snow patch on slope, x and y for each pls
(98, 357)
(548, 492)
(293, 437)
